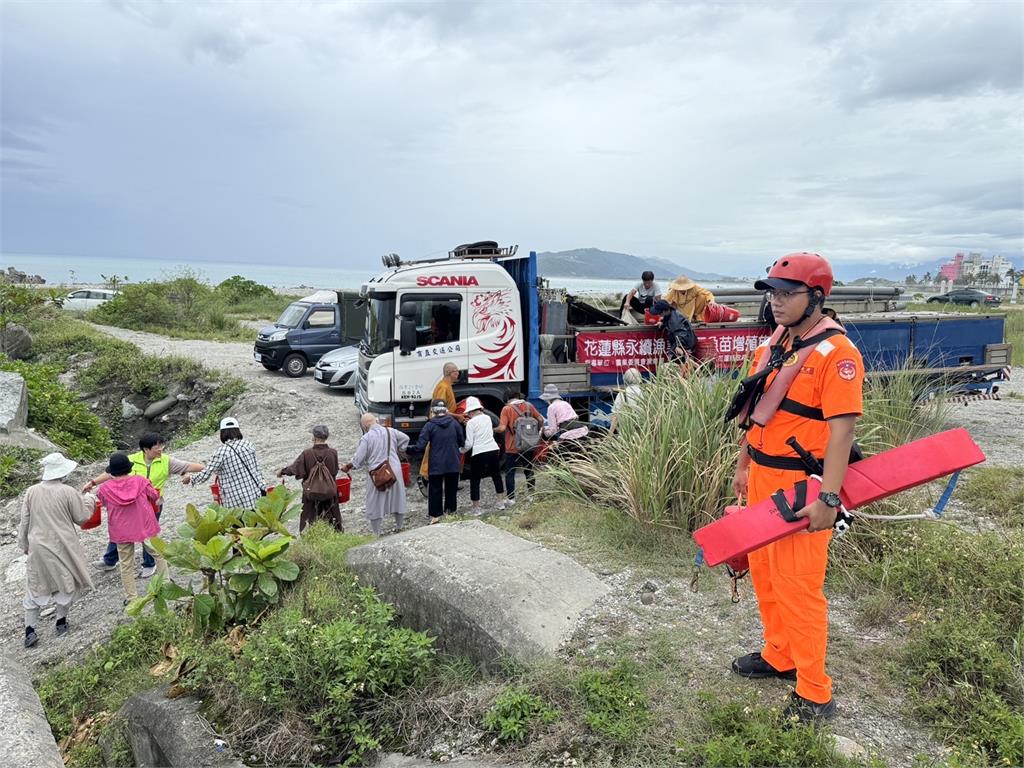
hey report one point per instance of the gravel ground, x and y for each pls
(997, 425)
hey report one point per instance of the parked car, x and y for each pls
(86, 299)
(309, 329)
(337, 369)
(972, 297)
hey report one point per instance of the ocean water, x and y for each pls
(77, 270)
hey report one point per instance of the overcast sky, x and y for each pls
(716, 135)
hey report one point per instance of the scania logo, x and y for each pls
(447, 280)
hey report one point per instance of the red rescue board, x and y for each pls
(868, 480)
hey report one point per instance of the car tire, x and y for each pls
(295, 366)
(975, 304)
(934, 300)
(270, 367)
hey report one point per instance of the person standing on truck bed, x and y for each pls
(643, 295)
(806, 389)
(518, 450)
(443, 390)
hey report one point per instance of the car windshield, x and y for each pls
(292, 315)
(380, 324)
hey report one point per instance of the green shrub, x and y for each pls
(671, 459)
(58, 414)
(237, 289)
(19, 468)
(614, 703)
(895, 412)
(515, 713)
(240, 555)
(737, 734)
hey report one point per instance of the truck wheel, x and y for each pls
(270, 367)
(295, 366)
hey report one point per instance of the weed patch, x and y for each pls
(997, 492)
(614, 703)
(515, 713)
(19, 468)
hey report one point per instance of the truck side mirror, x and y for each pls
(407, 335)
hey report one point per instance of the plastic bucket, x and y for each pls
(344, 488)
(215, 490)
(720, 313)
(650, 319)
(96, 519)
(406, 473)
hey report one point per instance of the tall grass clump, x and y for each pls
(900, 406)
(671, 459)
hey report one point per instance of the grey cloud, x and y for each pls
(11, 140)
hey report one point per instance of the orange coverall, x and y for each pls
(789, 574)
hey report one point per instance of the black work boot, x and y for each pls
(31, 638)
(801, 710)
(754, 667)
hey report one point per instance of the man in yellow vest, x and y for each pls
(149, 462)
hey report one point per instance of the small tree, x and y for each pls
(113, 281)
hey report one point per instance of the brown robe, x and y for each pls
(300, 468)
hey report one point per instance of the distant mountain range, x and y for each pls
(598, 264)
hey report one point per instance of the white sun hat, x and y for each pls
(56, 466)
(229, 422)
(473, 404)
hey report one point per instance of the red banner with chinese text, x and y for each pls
(617, 351)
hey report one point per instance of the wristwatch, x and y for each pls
(830, 499)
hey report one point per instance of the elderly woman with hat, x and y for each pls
(483, 454)
(562, 422)
(56, 571)
(131, 506)
(445, 438)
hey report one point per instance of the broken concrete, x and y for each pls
(480, 591)
(13, 402)
(171, 732)
(26, 738)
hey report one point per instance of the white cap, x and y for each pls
(473, 404)
(56, 466)
(229, 422)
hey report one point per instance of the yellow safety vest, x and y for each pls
(157, 472)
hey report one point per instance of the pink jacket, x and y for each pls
(130, 504)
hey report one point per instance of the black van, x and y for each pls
(308, 329)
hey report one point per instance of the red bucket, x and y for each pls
(96, 519)
(650, 318)
(215, 490)
(406, 473)
(720, 313)
(344, 488)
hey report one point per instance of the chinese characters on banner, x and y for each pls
(616, 351)
(729, 346)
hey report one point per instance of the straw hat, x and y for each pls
(682, 283)
(550, 392)
(56, 466)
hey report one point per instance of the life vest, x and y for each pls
(756, 401)
(156, 471)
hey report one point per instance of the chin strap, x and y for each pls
(817, 299)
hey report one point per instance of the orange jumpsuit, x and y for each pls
(789, 574)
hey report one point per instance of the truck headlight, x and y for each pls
(277, 336)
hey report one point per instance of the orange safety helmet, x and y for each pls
(810, 269)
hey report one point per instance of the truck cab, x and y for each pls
(465, 309)
(308, 329)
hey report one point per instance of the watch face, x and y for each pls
(831, 499)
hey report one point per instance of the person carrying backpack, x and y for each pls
(521, 425)
(317, 468)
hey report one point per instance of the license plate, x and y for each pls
(257, 357)
(320, 375)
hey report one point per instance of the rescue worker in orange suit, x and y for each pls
(819, 408)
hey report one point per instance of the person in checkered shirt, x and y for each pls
(236, 466)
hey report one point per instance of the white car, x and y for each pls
(337, 368)
(86, 299)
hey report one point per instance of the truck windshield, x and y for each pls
(292, 315)
(380, 324)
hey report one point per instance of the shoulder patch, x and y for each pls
(847, 369)
(824, 348)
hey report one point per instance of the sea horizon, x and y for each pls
(59, 270)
